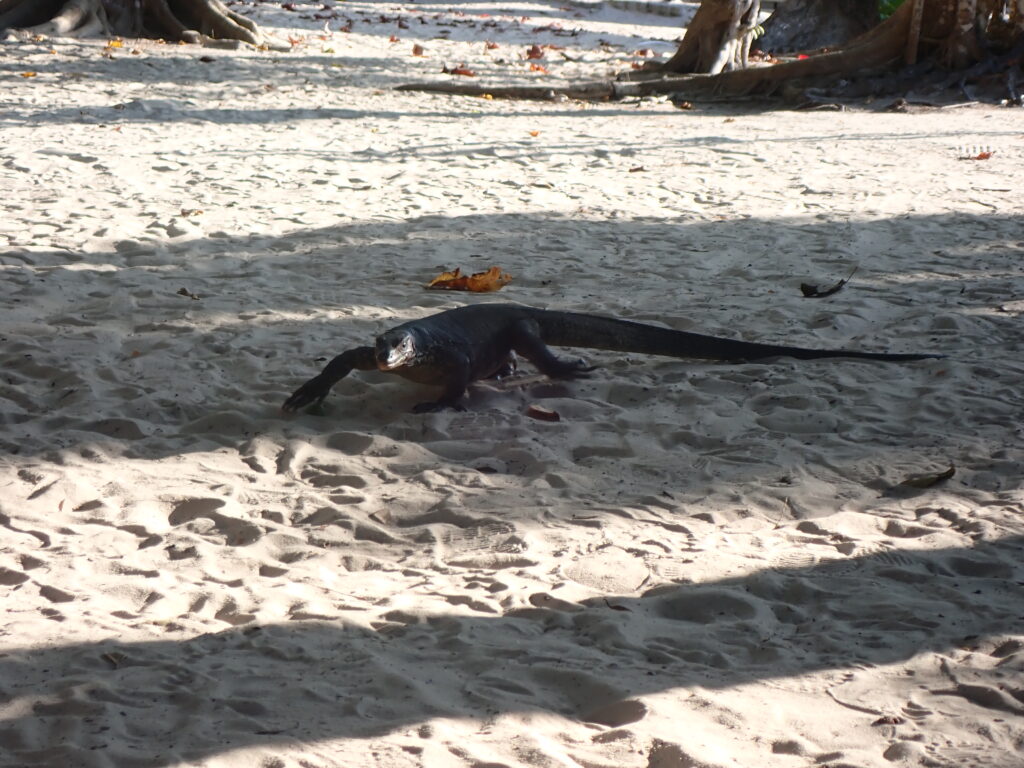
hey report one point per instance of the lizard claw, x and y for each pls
(313, 391)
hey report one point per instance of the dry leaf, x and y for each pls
(535, 52)
(462, 69)
(535, 134)
(812, 292)
(481, 282)
(393, 39)
(542, 414)
(490, 45)
(929, 479)
(28, 74)
(539, 68)
(417, 50)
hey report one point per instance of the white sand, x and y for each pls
(700, 566)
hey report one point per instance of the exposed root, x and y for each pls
(77, 18)
(874, 51)
(921, 30)
(206, 22)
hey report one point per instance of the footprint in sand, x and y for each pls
(336, 481)
(236, 533)
(55, 595)
(11, 578)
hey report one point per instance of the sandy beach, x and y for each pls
(700, 565)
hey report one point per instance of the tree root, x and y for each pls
(885, 44)
(76, 18)
(210, 23)
(919, 29)
(206, 22)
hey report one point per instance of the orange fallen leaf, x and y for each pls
(115, 43)
(417, 50)
(28, 74)
(393, 39)
(539, 68)
(481, 282)
(490, 45)
(982, 156)
(535, 52)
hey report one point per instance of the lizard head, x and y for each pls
(395, 349)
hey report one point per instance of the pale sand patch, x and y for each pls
(699, 565)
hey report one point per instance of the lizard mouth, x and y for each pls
(390, 357)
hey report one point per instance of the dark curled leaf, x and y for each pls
(811, 291)
(615, 607)
(929, 479)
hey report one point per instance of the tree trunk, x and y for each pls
(957, 33)
(804, 25)
(718, 38)
(209, 22)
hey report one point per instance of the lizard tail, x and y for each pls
(569, 329)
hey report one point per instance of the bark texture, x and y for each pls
(718, 37)
(804, 25)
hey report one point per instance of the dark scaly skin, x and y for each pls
(458, 346)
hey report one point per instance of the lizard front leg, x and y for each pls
(457, 374)
(316, 389)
